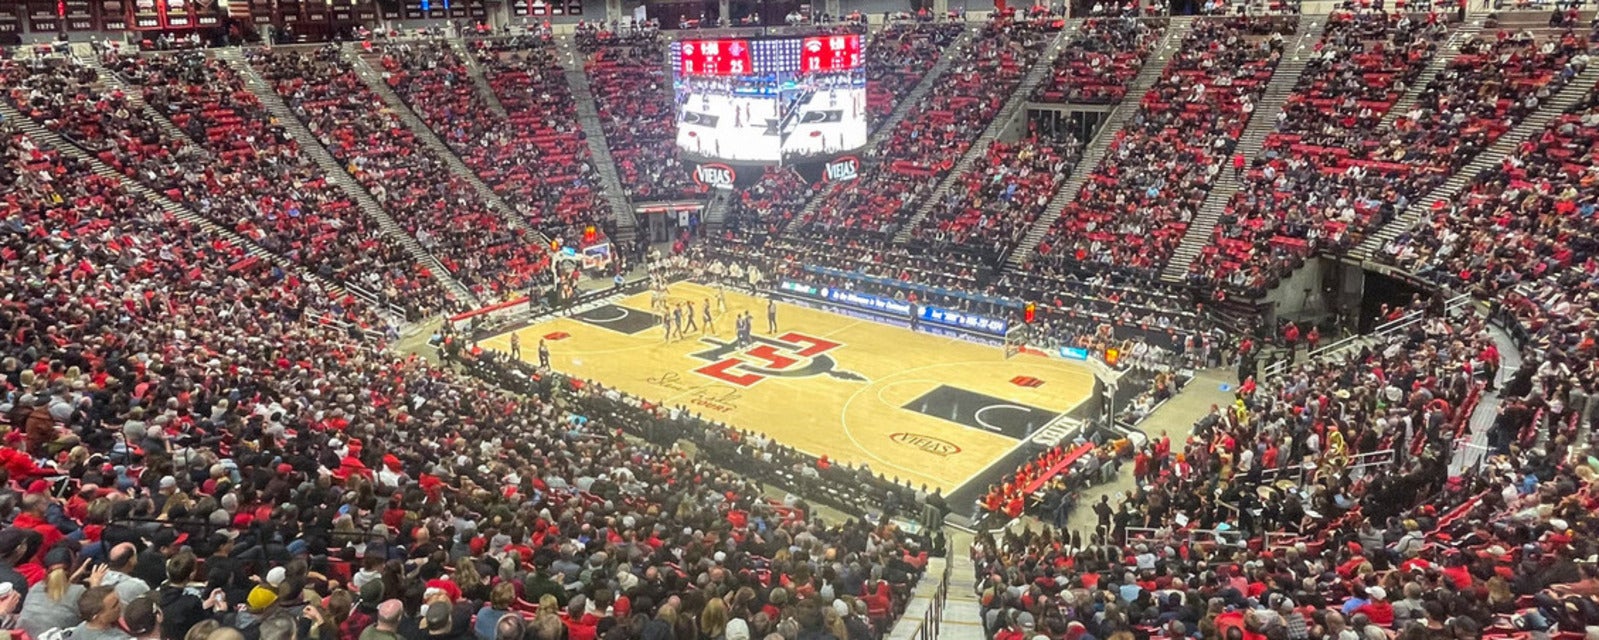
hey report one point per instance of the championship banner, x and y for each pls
(43, 16)
(10, 19)
(79, 15)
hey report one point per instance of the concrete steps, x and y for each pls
(716, 210)
(588, 116)
(962, 619)
(392, 100)
(135, 97)
(334, 170)
(1559, 103)
(52, 140)
(1440, 59)
(1014, 105)
(1261, 124)
(1095, 152)
(915, 96)
(481, 83)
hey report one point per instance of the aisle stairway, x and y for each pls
(1558, 104)
(334, 170)
(392, 100)
(479, 82)
(716, 209)
(135, 98)
(916, 94)
(1440, 59)
(962, 613)
(1262, 123)
(599, 148)
(1014, 106)
(52, 140)
(1094, 153)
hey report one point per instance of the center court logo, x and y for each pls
(929, 444)
(791, 355)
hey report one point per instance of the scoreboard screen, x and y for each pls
(770, 100)
(755, 57)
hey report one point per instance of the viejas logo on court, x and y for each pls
(841, 169)
(714, 175)
(929, 444)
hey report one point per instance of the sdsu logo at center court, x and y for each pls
(791, 355)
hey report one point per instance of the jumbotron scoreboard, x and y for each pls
(770, 100)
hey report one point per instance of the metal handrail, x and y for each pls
(933, 618)
(1277, 368)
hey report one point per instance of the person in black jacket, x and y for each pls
(184, 602)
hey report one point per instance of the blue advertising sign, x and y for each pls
(963, 320)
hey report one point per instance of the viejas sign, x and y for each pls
(715, 174)
(842, 169)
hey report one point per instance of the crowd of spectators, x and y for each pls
(439, 209)
(207, 99)
(1310, 189)
(1328, 178)
(923, 147)
(1264, 523)
(633, 95)
(234, 166)
(1526, 220)
(1104, 56)
(1101, 311)
(1148, 330)
(531, 84)
(535, 158)
(991, 206)
(1136, 205)
(200, 442)
(897, 58)
(766, 208)
(204, 455)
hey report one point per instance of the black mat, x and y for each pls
(702, 119)
(822, 116)
(619, 319)
(977, 411)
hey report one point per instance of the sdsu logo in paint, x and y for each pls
(791, 355)
(714, 174)
(842, 169)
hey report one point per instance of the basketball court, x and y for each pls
(921, 407)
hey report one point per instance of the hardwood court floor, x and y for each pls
(925, 408)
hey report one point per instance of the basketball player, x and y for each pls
(544, 355)
(705, 310)
(666, 324)
(516, 345)
(677, 320)
(721, 297)
(689, 317)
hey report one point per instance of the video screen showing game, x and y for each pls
(770, 100)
